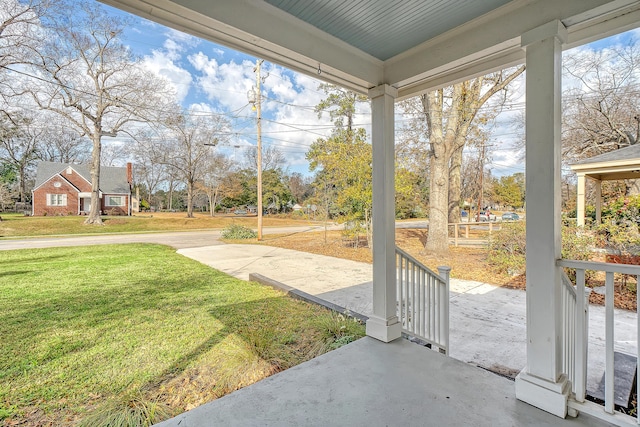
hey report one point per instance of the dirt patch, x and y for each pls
(465, 263)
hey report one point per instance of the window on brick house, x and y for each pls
(56, 200)
(115, 201)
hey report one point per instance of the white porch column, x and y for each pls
(598, 202)
(383, 324)
(542, 383)
(581, 202)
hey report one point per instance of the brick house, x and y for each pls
(65, 189)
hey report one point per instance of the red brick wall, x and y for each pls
(40, 198)
(77, 180)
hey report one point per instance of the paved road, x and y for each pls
(177, 239)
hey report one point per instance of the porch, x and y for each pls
(370, 383)
(392, 50)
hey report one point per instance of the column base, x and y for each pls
(545, 395)
(385, 330)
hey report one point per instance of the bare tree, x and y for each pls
(217, 168)
(602, 107)
(60, 144)
(93, 81)
(149, 170)
(185, 145)
(272, 158)
(19, 137)
(20, 31)
(448, 116)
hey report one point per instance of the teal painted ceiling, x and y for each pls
(385, 28)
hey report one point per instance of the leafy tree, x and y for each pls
(275, 191)
(8, 179)
(410, 194)
(345, 159)
(507, 191)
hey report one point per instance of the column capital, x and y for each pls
(554, 28)
(383, 89)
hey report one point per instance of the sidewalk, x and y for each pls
(488, 323)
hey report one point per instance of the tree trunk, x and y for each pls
(170, 201)
(94, 211)
(189, 199)
(23, 184)
(455, 184)
(438, 237)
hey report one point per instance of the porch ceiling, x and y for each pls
(413, 46)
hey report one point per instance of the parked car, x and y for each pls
(510, 216)
(464, 216)
(485, 216)
(240, 212)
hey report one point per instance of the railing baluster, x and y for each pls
(414, 310)
(581, 344)
(423, 301)
(580, 333)
(609, 365)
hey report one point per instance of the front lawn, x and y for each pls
(88, 331)
(15, 225)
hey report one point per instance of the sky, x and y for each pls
(212, 78)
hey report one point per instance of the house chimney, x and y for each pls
(129, 173)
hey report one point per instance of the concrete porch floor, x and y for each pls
(369, 383)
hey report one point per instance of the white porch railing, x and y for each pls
(575, 339)
(423, 301)
(575, 335)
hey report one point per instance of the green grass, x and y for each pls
(84, 327)
(15, 225)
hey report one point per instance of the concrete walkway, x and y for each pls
(488, 323)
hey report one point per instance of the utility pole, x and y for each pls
(481, 182)
(258, 106)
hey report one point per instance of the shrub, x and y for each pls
(624, 209)
(507, 247)
(623, 238)
(238, 232)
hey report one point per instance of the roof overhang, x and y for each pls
(609, 171)
(483, 44)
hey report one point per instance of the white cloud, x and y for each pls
(164, 64)
(226, 84)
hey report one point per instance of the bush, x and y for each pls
(623, 210)
(238, 232)
(623, 238)
(507, 247)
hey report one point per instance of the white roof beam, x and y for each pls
(493, 41)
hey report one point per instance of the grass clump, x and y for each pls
(129, 410)
(238, 232)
